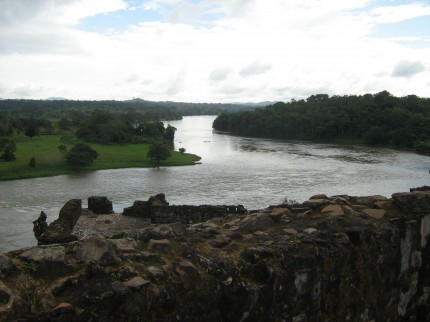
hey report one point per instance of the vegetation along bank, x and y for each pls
(379, 119)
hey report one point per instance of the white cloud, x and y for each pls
(399, 13)
(225, 50)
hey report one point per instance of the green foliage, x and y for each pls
(373, 119)
(182, 150)
(158, 152)
(116, 275)
(169, 133)
(32, 162)
(31, 131)
(63, 149)
(375, 135)
(81, 155)
(31, 267)
(7, 147)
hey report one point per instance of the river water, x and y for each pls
(234, 170)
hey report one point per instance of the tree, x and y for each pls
(81, 155)
(158, 152)
(8, 147)
(63, 150)
(182, 150)
(169, 133)
(31, 131)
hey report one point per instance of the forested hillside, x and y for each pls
(379, 119)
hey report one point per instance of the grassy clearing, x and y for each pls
(50, 162)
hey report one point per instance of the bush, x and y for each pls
(81, 155)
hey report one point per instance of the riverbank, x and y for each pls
(332, 258)
(51, 162)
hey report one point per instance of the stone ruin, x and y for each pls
(100, 205)
(60, 230)
(160, 212)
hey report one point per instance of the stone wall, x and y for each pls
(160, 212)
(191, 214)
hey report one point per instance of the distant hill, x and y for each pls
(56, 99)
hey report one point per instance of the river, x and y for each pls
(234, 170)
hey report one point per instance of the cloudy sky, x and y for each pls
(213, 50)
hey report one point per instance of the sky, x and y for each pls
(213, 50)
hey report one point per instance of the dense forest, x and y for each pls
(131, 109)
(379, 119)
(106, 122)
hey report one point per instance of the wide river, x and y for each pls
(234, 170)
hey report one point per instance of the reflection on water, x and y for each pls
(253, 172)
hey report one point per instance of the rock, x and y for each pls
(348, 210)
(6, 299)
(160, 245)
(340, 200)
(119, 288)
(370, 200)
(423, 188)
(125, 245)
(319, 196)
(252, 223)
(254, 255)
(45, 261)
(6, 265)
(97, 249)
(135, 283)
(417, 202)
(61, 309)
(155, 272)
(188, 274)
(290, 231)
(310, 230)
(178, 228)
(100, 205)
(277, 214)
(333, 209)
(220, 242)
(316, 203)
(59, 231)
(375, 213)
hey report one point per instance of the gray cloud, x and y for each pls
(405, 68)
(19, 11)
(25, 91)
(219, 74)
(255, 68)
(42, 42)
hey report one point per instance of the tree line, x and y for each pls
(378, 119)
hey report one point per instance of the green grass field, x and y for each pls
(50, 162)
